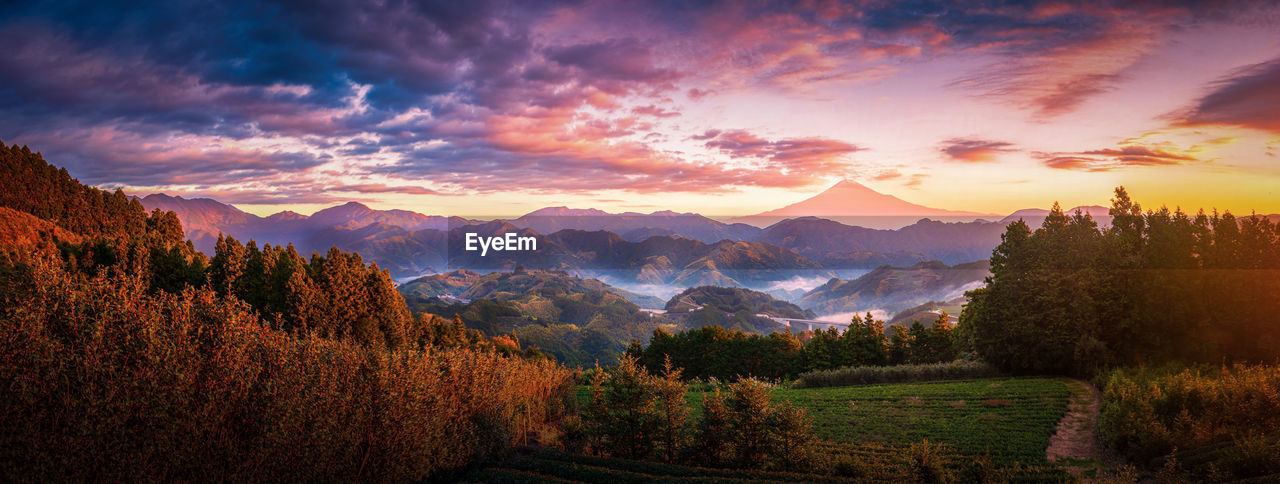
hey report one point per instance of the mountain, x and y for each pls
(929, 312)
(520, 285)
(732, 308)
(1034, 217)
(351, 226)
(655, 260)
(896, 288)
(835, 245)
(734, 300)
(204, 218)
(579, 321)
(635, 226)
(852, 203)
(354, 215)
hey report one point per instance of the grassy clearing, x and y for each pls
(1012, 419)
(1008, 419)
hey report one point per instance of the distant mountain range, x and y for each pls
(204, 218)
(635, 226)
(664, 247)
(1034, 217)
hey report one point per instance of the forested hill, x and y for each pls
(468, 285)
(896, 288)
(334, 295)
(734, 300)
(130, 356)
(50, 193)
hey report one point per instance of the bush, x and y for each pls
(102, 380)
(926, 464)
(864, 375)
(1206, 423)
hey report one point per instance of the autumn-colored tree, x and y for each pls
(673, 409)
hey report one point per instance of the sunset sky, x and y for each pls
(724, 108)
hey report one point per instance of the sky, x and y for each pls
(483, 108)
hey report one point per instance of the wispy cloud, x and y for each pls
(973, 149)
(1115, 158)
(1248, 98)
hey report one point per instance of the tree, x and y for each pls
(674, 410)
(715, 431)
(752, 415)
(793, 441)
(626, 410)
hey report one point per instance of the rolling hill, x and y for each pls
(896, 288)
(465, 285)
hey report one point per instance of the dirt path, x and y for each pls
(1075, 444)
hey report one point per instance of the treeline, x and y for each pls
(1157, 286)
(334, 295)
(48, 192)
(715, 352)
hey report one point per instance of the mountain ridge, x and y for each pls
(850, 198)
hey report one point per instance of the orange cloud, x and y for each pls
(974, 150)
(1113, 158)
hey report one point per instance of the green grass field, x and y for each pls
(1008, 419)
(1012, 418)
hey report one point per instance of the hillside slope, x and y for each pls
(896, 288)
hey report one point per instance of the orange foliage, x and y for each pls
(23, 230)
(102, 380)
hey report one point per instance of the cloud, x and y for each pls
(102, 156)
(808, 155)
(655, 111)
(276, 195)
(1114, 158)
(887, 175)
(494, 95)
(1051, 58)
(383, 188)
(1247, 98)
(974, 150)
(916, 179)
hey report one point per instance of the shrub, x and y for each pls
(926, 464)
(1207, 423)
(864, 375)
